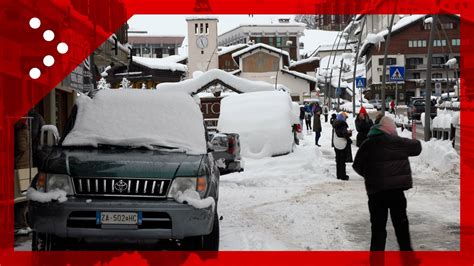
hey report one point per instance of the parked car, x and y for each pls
(376, 103)
(127, 179)
(228, 160)
(417, 106)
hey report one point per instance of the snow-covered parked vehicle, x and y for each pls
(133, 165)
(263, 121)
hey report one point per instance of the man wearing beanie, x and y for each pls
(383, 162)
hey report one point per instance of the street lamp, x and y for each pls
(288, 45)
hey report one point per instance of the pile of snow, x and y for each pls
(444, 119)
(191, 197)
(191, 86)
(43, 197)
(262, 119)
(139, 118)
(439, 155)
(160, 63)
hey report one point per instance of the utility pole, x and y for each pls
(355, 67)
(427, 131)
(384, 71)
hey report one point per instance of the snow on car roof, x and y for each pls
(139, 118)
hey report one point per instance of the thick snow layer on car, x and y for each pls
(443, 119)
(191, 197)
(43, 197)
(262, 119)
(136, 118)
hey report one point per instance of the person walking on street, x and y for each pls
(331, 121)
(307, 117)
(382, 160)
(342, 145)
(363, 124)
(392, 106)
(317, 122)
(302, 113)
(325, 113)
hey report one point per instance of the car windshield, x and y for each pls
(138, 119)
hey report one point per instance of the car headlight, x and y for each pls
(182, 184)
(63, 182)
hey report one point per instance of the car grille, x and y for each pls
(121, 187)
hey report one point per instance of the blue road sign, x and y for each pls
(396, 73)
(360, 82)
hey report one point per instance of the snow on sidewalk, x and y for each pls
(295, 202)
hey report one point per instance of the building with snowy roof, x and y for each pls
(273, 34)
(409, 48)
(155, 46)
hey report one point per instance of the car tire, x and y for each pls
(208, 242)
(43, 242)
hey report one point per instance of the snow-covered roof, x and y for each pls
(175, 58)
(191, 86)
(160, 63)
(262, 46)
(300, 75)
(137, 118)
(375, 39)
(202, 18)
(227, 49)
(304, 61)
(313, 39)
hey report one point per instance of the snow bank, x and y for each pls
(191, 86)
(262, 119)
(439, 155)
(191, 197)
(57, 194)
(348, 107)
(139, 118)
(443, 119)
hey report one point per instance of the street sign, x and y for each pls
(360, 82)
(396, 73)
(438, 89)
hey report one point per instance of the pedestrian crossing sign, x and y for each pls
(360, 82)
(397, 73)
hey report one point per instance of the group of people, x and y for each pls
(382, 160)
(314, 112)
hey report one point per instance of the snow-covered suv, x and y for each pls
(133, 165)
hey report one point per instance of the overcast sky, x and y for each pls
(175, 25)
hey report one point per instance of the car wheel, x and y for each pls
(208, 242)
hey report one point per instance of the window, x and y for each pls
(438, 43)
(415, 61)
(258, 39)
(333, 19)
(416, 75)
(171, 51)
(270, 41)
(437, 75)
(201, 28)
(448, 26)
(456, 42)
(438, 60)
(196, 29)
(207, 28)
(278, 41)
(427, 26)
(390, 61)
(417, 43)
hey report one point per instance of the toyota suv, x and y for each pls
(131, 166)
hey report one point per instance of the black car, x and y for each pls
(417, 106)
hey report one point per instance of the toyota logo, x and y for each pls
(120, 186)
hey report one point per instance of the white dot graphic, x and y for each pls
(35, 73)
(48, 35)
(62, 48)
(48, 60)
(35, 23)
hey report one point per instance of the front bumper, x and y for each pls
(164, 219)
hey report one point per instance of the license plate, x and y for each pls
(118, 218)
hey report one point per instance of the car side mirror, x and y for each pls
(52, 137)
(219, 142)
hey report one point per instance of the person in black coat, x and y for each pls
(383, 162)
(363, 124)
(331, 121)
(342, 145)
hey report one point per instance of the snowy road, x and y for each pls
(295, 202)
